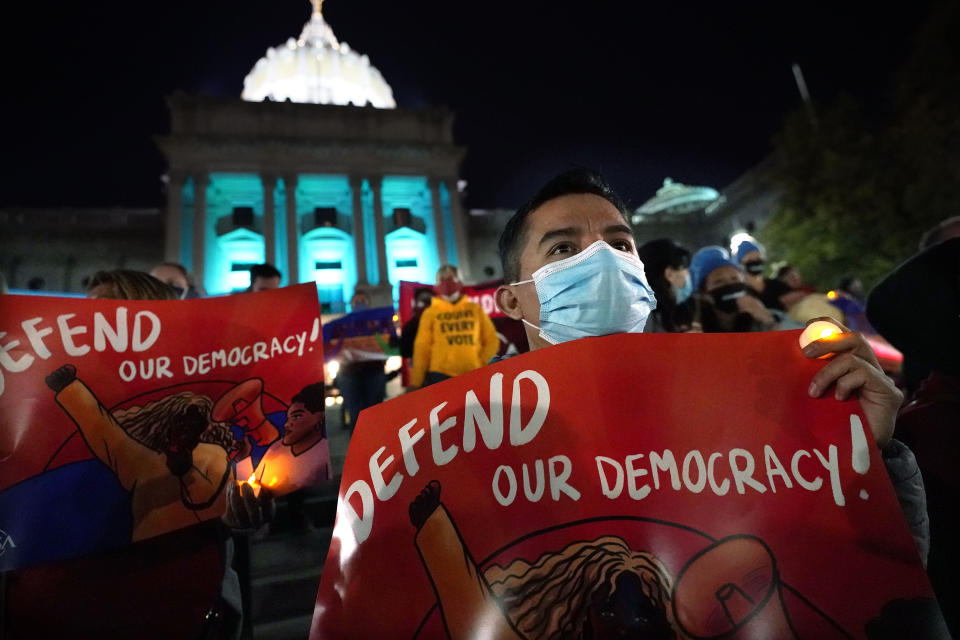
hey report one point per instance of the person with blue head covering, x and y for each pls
(773, 293)
(726, 302)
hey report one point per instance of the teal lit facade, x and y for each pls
(345, 197)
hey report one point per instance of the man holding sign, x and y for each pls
(545, 246)
(586, 494)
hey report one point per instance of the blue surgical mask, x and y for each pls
(596, 292)
(684, 292)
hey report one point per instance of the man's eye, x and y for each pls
(563, 248)
(622, 245)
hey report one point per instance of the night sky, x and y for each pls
(639, 90)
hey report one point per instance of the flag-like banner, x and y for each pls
(668, 486)
(360, 336)
(122, 420)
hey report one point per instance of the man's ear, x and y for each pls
(508, 302)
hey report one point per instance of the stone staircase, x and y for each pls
(285, 565)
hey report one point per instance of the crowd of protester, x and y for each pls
(557, 251)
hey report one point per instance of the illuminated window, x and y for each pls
(239, 276)
(325, 216)
(331, 298)
(243, 217)
(401, 217)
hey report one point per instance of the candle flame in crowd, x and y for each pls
(827, 332)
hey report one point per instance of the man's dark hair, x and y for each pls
(312, 397)
(656, 256)
(263, 271)
(572, 181)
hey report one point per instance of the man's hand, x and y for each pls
(247, 512)
(425, 504)
(854, 370)
(61, 377)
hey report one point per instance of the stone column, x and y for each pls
(375, 186)
(174, 219)
(459, 229)
(200, 181)
(438, 221)
(293, 229)
(356, 190)
(269, 219)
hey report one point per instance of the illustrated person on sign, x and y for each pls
(172, 458)
(594, 589)
(572, 271)
(300, 457)
(454, 337)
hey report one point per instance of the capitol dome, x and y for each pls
(317, 68)
(678, 198)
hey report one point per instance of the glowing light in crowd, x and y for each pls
(818, 331)
(333, 368)
(252, 481)
(831, 295)
(394, 363)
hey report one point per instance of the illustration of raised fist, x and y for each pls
(61, 377)
(425, 504)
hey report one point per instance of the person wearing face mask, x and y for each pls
(773, 293)
(455, 335)
(725, 300)
(667, 266)
(572, 271)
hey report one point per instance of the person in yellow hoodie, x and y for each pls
(455, 335)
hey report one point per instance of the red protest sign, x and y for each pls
(123, 419)
(686, 480)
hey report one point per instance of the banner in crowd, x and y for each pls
(122, 420)
(668, 486)
(513, 339)
(360, 336)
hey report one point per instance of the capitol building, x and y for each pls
(313, 168)
(316, 171)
